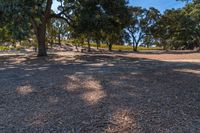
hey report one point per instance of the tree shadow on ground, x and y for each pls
(98, 93)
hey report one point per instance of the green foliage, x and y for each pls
(100, 21)
(179, 29)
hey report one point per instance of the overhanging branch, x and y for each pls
(60, 17)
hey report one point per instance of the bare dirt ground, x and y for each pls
(87, 93)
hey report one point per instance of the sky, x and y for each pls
(161, 5)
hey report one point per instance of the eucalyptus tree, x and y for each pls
(62, 29)
(140, 24)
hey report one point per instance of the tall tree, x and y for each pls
(102, 19)
(140, 24)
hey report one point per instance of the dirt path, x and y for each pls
(78, 93)
(166, 56)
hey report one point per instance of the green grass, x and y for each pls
(4, 48)
(123, 47)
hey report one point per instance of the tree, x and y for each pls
(116, 18)
(61, 28)
(101, 20)
(192, 12)
(5, 35)
(38, 13)
(166, 27)
(181, 34)
(51, 32)
(140, 24)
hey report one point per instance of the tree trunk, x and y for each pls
(41, 35)
(77, 48)
(164, 44)
(89, 47)
(199, 47)
(40, 29)
(136, 47)
(59, 40)
(133, 42)
(199, 44)
(97, 42)
(110, 47)
(133, 47)
(51, 43)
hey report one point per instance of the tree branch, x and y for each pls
(60, 17)
(48, 10)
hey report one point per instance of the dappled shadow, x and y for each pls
(98, 93)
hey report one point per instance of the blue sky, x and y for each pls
(161, 5)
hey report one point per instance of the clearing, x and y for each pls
(110, 92)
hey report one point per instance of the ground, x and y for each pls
(86, 93)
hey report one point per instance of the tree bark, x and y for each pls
(59, 40)
(41, 35)
(89, 47)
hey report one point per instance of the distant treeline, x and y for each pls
(99, 22)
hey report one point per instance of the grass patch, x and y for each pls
(122, 47)
(4, 48)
